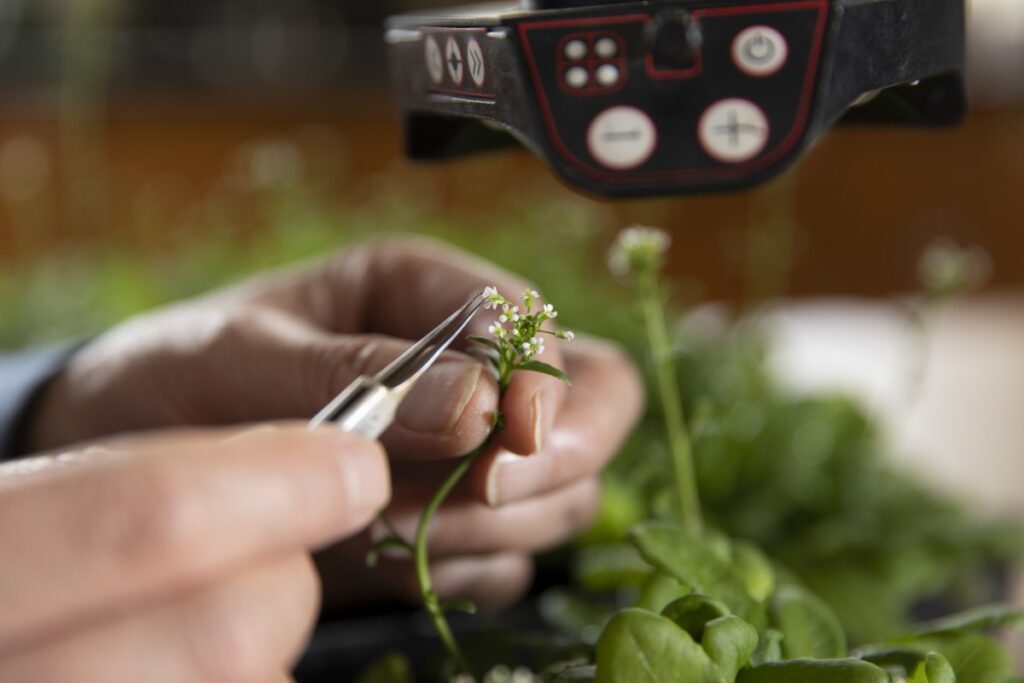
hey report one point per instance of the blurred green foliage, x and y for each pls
(803, 477)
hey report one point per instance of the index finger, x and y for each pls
(171, 513)
(404, 288)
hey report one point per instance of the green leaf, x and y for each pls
(754, 568)
(769, 648)
(809, 627)
(489, 343)
(693, 612)
(639, 646)
(934, 668)
(609, 567)
(659, 590)
(815, 671)
(544, 368)
(390, 668)
(906, 659)
(975, 658)
(974, 620)
(696, 564)
(730, 642)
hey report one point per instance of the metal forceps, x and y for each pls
(368, 405)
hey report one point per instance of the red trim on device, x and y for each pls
(674, 74)
(754, 165)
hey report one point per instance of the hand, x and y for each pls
(178, 557)
(283, 346)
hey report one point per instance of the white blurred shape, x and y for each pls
(996, 51)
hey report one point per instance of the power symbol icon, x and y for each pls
(760, 51)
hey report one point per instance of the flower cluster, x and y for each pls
(518, 334)
(518, 330)
(639, 250)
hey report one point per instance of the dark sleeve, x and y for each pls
(22, 377)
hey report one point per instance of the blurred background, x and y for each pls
(155, 128)
(150, 150)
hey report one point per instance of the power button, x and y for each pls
(760, 51)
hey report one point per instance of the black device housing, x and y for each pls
(686, 114)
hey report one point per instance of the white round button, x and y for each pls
(577, 77)
(475, 60)
(607, 75)
(606, 48)
(435, 60)
(734, 130)
(453, 58)
(760, 51)
(622, 138)
(575, 50)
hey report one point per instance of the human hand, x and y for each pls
(176, 557)
(282, 346)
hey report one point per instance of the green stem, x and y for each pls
(671, 403)
(422, 559)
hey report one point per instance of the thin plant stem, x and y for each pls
(422, 559)
(671, 404)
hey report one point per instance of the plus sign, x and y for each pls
(734, 128)
(455, 61)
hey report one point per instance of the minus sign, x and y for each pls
(630, 135)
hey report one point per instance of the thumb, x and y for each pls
(287, 369)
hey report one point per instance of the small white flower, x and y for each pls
(567, 335)
(492, 299)
(537, 346)
(550, 311)
(638, 249)
(502, 318)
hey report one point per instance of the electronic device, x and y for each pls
(671, 96)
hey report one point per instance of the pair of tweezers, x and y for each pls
(368, 405)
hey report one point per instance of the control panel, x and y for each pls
(652, 96)
(644, 98)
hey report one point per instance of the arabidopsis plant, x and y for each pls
(517, 338)
(639, 251)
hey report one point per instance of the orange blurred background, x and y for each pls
(140, 117)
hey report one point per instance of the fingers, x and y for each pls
(291, 369)
(249, 629)
(177, 513)
(448, 413)
(400, 287)
(469, 527)
(605, 402)
(405, 287)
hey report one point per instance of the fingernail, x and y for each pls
(540, 421)
(367, 483)
(515, 477)
(439, 399)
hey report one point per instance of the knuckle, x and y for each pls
(145, 518)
